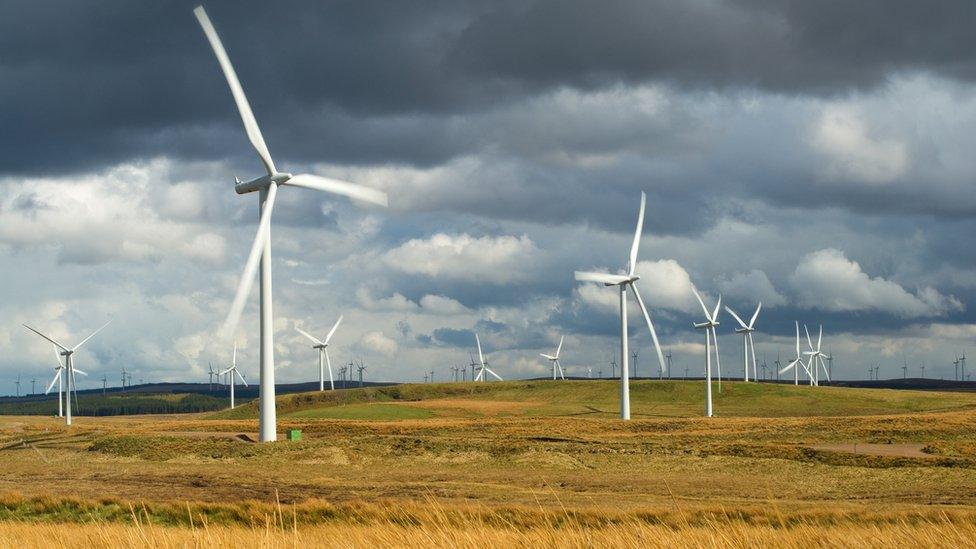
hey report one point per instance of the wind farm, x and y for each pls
(800, 202)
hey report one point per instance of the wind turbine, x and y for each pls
(747, 343)
(17, 383)
(816, 357)
(323, 348)
(554, 361)
(668, 356)
(798, 361)
(232, 371)
(622, 282)
(267, 187)
(711, 321)
(362, 368)
(483, 365)
(66, 369)
(211, 373)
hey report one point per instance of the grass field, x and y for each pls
(514, 463)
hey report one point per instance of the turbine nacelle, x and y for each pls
(260, 183)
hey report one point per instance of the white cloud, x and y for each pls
(498, 260)
(751, 286)
(828, 280)
(442, 305)
(377, 342)
(843, 138)
(396, 302)
(663, 284)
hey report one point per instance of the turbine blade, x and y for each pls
(809, 342)
(797, 322)
(560, 347)
(250, 124)
(494, 374)
(332, 331)
(63, 348)
(717, 307)
(650, 326)
(83, 341)
(251, 266)
(234, 359)
(57, 354)
(702, 303)
(736, 317)
(788, 367)
(77, 371)
(53, 381)
(637, 235)
(227, 370)
(605, 278)
(481, 357)
(342, 188)
(755, 315)
(308, 335)
(242, 377)
(820, 337)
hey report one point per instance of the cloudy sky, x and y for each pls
(815, 156)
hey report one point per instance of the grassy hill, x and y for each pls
(598, 398)
(115, 404)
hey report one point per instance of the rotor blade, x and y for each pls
(63, 348)
(76, 370)
(650, 325)
(797, 322)
(718, 360)
(605, 278)
(251, 266)
(788, 366)
(53, 381)
(57, 353)
(752, 347)
(250, 124)
(234, 359)
(481, 357)
(717, 307)
(637, 235)
(225, 371)
(494, 374)
(83, 341)
(342, 188)
(704, 308)
(560, 347)
(242, 377)
(820, 337)
(755, 314)
(310, 336)
(332, 331)
(809, 342)
(736, 317)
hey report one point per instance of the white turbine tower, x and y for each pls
(711, 321)
(816, 361)
(323, 348)
(267, 187)
(622, 282)
(66, 369)
(554, 360)
(747, 343)
(483, 364)
(797, 361)
(232, 371)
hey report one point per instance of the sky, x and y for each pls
(813, 156)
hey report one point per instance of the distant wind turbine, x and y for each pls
(483, 364)
(323, 349)
(747, 344)
(796, 362)
(711, 321)
(231, 371)
(554, 360)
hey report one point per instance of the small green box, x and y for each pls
(294, 434)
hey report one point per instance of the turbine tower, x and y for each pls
(711, 321)
(747, 344)
(482, 365)
(267, 187)
(323, 348)
(796, 362)
(554, 361)
(623, 282)
(231, 372)
(66, 370)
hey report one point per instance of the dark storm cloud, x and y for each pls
(86, 83)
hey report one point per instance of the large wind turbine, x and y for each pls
(267, 187)
(483, 364)
(232, 371)
(747, 343)
(711, 321)
(67, 369)
(797, 361)
(622, 282)
(323, 348)
(554, 360)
